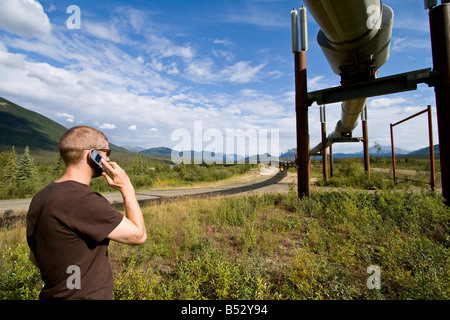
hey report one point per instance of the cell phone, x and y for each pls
(96, 157)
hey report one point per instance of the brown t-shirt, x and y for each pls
(67, 226)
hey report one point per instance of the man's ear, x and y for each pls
(89, 160)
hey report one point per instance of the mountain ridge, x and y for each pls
(20, 127)
(385, 151)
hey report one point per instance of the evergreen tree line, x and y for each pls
(18, 175)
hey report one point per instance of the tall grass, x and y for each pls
(350, 173)
(272, 246)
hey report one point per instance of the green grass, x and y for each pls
(272, 246)
(349, 173)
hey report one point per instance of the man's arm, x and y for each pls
(131, 230)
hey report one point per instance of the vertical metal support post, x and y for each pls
(301, 108)
(301, 102)
(331, 161)
(440, 45)
(323, 124)
(430, 135)
(365, 142)
(393, 154)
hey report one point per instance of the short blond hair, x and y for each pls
(75, 140)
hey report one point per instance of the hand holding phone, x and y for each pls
(120, 180)
(96, 157)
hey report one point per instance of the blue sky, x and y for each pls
(139, 70)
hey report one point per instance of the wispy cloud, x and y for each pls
(404, 44)
(242, 72)
(224, 42)
(206, 71)
(103, 31)
(254, 14)
(166, 48)
(380, 103)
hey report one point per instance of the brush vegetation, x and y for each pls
(272, 246)
(412, 172)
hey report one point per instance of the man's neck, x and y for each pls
(74, 174)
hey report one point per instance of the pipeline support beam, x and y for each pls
(382, 86)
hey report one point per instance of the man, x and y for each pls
(69, 226)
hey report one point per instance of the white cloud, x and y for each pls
(379, 103)
(108, 126)
(102, 31)
(173, 69)
(317, 83)
(224, 42)
(137, 19)
(24, 18)
(415, 22)
(249, 93)
(223, 55)
(407, 44)
(201, 71)
(254, 15)
(51, 8)
(48, 74)
(242, 72)
(69, 117)
(132, 127)
(205, 71)
(167, 48)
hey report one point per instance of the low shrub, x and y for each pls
(272, 246)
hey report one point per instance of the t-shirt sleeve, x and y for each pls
(94, 217)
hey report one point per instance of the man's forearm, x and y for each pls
(132, 228)
(132, 210)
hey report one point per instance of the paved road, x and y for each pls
(259, 184)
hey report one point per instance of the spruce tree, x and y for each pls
(26, 170)
(138, 165)
(8, 163)
(59, 167)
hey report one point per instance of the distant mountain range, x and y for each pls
(20, 127)
(209, 157)
(161, 151)
(424, 152)
(385, 151)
